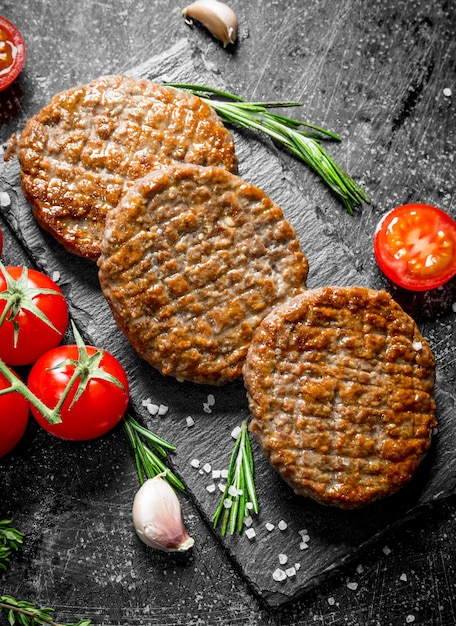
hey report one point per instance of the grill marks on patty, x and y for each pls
(340, 385)
(82, 151)
(192, 260)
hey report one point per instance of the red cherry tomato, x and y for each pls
(12, 53)
(34, 336)
(13, 418)
(100, 406)
(415, 246)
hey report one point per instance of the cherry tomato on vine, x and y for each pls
(14, 412)
(33, 314)
(415, 246)
(12, 53)
(101, 404)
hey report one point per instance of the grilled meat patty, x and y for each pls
(81, 152)
(192, 260)
(340, 385)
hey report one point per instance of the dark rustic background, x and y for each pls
(376, 74)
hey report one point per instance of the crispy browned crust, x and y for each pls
(192, 260)
(80, 153)
(340, 385)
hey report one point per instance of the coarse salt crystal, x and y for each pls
(190, 421)
(206, 408)
(447, 92)
(386, 550)
(297, 566)
(207, 468)
(290, 572)
(249, 506)
(248, 521)
(56, 276)
(222, 487)
(250, 533)
(152, 408)
(195, 463)
(236, 432)
(224, 473)
(409, 619)
(352, 586)
(216, 474)
(234, 491)
(282, 525)
(331, 601)
(303, 545)
(283, 559)
(417, 345)
(359, 569)
(146, 401)
(269, 527)
(211, 399)
(162, 409)
(227, 503)
(279, 575)
(5, 200)
(211, 488)
(403, 577)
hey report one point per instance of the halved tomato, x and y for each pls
(415, 246)
(12, 53)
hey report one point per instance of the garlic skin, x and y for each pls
(217, 17)
(157, 517)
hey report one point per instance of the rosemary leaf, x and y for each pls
(304, 144)
(240, 487)
(150, 453)
(10, 539)
(26, 614)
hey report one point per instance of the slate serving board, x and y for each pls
(333, 536)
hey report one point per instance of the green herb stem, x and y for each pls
(10, 540)
(304, 144)
(26, 614)
(150, 451)
(240, 487)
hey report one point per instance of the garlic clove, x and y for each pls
(157, 517)
(217, 17)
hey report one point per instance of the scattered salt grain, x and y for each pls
(190, 421)
(352, 586)
(250, 533)
(297, 566)
(386, 550)
(210, 399)
(417, 345)
(248, 521)
(224, 473)
(206, 408)
(162, 409)
(447, 92)
(222, 487)
(227, 503)
(5, 200)
(269, 527)
(290, 572)
(216, 474)
(303, 545)
(409, 619)
(236, 432)
(56, 276)
(146, 401)
(282, 525)
(331, 601)
(207, 468)
(279, 575)
(195, 463)
(403, 577)
(211, 488)
(283, 559)
(359, 569)
(234, 491)
(152, 408)
(249, 506)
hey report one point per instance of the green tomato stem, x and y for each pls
(16, 385)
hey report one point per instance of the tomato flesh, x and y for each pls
(14, 412)
(100, 407)
(12, 53)
(415, 246)
(34, 336)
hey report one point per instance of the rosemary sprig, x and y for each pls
(305, 144)
(240, 492)
(26, 614)
(150, 460)
(10, 539)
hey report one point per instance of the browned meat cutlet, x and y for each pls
(86, 146)
(192, 260)
(340, 385)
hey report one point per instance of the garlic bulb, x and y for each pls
(157, 517)
(216, 16)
